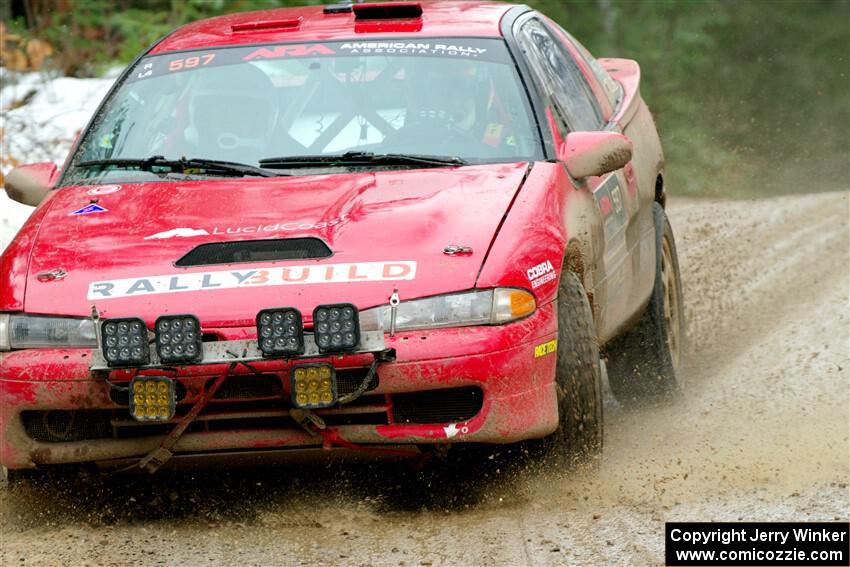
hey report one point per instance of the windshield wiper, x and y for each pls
(210, 166)
(358, 158)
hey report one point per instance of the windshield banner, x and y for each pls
(453, 47)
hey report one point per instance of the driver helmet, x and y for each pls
(455, 100)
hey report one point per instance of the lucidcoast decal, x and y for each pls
(229, 279)
(184, 232)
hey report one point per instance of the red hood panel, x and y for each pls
(387, 230)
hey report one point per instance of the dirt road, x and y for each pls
(761, 434)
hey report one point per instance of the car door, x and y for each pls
(574, 107)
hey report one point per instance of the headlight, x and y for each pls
(486, 307)
(36, 331)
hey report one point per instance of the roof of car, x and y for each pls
(312, 23)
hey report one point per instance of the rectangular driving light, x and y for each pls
(280, 331)
(313, 386)
(336, 327)
(178, 338)
(125, 342)
(152, 398)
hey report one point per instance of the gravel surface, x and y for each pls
(760, 434)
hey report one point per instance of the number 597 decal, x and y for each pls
(190, 62)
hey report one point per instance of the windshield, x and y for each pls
(454, 97)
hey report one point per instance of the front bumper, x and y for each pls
(473, 384)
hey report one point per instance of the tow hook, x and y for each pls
(394, 301)
(305, 418)
(154, 460)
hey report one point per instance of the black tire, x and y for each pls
(579, 382)
(643, 364)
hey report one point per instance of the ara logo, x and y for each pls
(184, 232)
(288, 51)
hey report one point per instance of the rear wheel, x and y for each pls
(643, 364)
(579, 385)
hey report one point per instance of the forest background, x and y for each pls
(751, 97)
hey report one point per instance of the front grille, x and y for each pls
(257, 402)
(350, 379)
(242, 402)
(121, 397)
(270, 386)
(242, 251)
(438, 406)
(250, 386)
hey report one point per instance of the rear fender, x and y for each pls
(633, 118)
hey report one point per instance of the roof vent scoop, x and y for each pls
(245, 251)
(387, 11)
(290, 24)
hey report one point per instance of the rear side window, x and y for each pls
(560, 77)
(613, 89)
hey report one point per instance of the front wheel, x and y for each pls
(643, 364)
(578, 379)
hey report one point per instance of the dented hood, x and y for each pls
(386, 230)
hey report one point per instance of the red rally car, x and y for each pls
(383, 227)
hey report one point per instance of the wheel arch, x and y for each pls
(660, 193)
(576, 260)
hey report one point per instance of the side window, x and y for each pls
(613, 89)
(559, 75)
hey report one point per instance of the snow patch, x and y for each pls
(12, 216)
(41, 129)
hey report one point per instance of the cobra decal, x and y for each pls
(541, 273)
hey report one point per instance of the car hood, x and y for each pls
(116, 246)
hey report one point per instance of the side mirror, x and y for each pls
(589, 154)
(29, 184)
